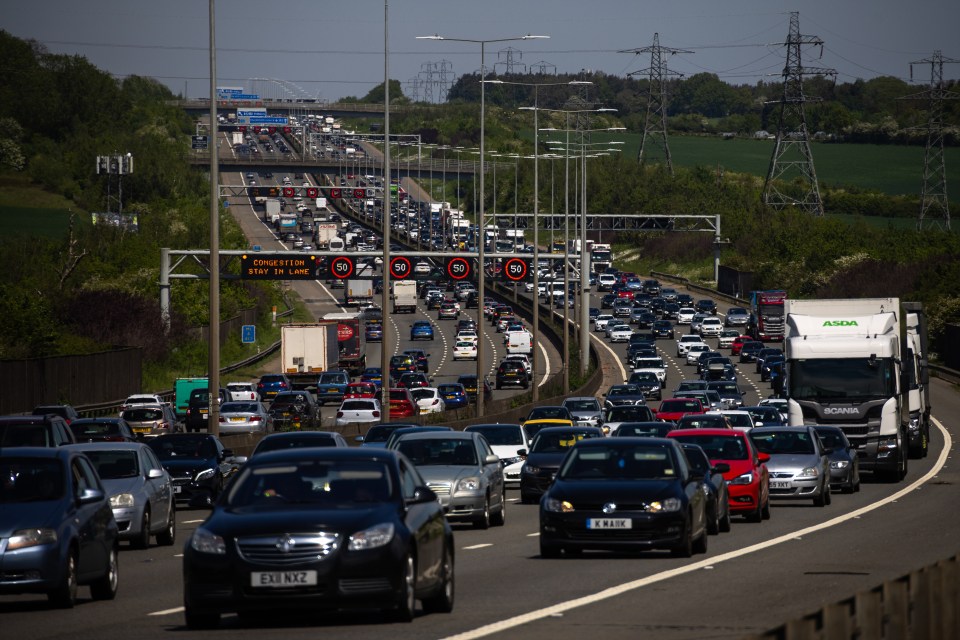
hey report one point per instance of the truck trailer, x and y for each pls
(404, 296)
(350, 342)
(357, 292)
(306, 350)
(846, 367)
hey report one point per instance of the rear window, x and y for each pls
(358, 405)
(142, 415)
(94, 429)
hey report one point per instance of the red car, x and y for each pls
(675, 408)
(402, 404)
(738, 343)
(747, 479)
(360, 390)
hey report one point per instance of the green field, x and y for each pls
(890, 169)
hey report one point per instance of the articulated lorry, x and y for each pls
(847, 366)
(306, 350)
(350, 341)
(404, 296)
(766, 315)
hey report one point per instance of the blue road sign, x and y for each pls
(248, 333)
(267, 120)
(244, 96)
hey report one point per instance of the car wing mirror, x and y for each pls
(153, 474)
(763, 457)
(522, 453)
(491, 459)
(423, 495)
(89, 496)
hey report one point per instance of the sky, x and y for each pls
(325, 49)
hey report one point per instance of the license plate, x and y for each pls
(236, 419)
(282, 579)
(609, 523)
(779, 485)
(176, 488)
(142, 430)
(331, 390)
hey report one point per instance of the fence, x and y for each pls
(923, 604)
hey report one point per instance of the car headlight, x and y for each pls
(25, 538)
(376, 536)
(203, 475)
(468, 485)
(746, 478)
(809, 472)
(557, 506)
(122, 500)
(670, 505)
(203, 541)
(530, 469)
(509, 461)
(839, 464)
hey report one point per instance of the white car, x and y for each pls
(428, 400)
(465, 350)
(685, 342)
(727, 336)
(694, 351)
(467, 335)
(654, 365)
(781, 405)
(605, 281)
(740, 420)
(600, 322)
(358, 410)
(621, 333)
(710, 327)
(506, 440)
(422, 267)
(614, 325)
(685, 315)
(141, 398)
(242, 392)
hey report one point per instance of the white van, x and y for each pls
(519, 342)
(336, 244)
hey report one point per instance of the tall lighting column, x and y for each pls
(213, 368)
(385, 350)
(481, 280)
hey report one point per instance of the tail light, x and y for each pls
(222, 419)
(255, 419)
(376, 414)
(339, 414)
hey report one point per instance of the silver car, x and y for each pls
(464, 472)
(799, 463)
(140, 490)
(585, 410)
(244, 417)
(151, 419)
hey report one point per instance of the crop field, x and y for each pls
(890, 169)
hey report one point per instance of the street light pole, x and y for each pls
(385, 349)
(213, 368)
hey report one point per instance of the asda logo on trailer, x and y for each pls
(840, 323)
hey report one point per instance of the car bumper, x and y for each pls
(185, 489)
(129, 521)
(647, 531)
(32, 570)
(794, 489)
(743, 498)
(535, 485)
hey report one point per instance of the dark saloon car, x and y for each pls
(35, 431)
(299, 439)
(549, 447)
(624, 494)
(198, 464)
(655, 429)
(65, 411)
(102, 430)
(294, 410)
(56, 526)
(315, 529)
(844, 463)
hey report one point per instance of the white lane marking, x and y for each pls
(533, 535)
(166, 612)
(326, 291)
(477, 546)
(623, 371)
(618, 590)
(546, 364)
(191, 521)
(178, 555)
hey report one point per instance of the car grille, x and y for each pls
(287, 549)
(439, 488)
(357, 586)
(781, 474)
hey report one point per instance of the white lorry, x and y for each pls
(845, 368)
(271, 211)
(404, 296)
(325, 232)
(358, 292)
(307, 349)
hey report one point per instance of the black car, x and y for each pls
(624, 494)
(549, 447)
(512, 372)
(706, 306)
(648, 382)
(421, 359)
(718, 502)
(294, 410)
(749, 351)
(469, 382)
(316, 529)
(606, 302)
(102, 430)
(670, 310)
(684, 300)
(65, 411)
(299, 439)
(198, 407)
(844, 462)
(765, 353)
(46, 430)
(656, 429)
(198, 464)
(662, 329)
(768, 364)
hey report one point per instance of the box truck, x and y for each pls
(404, 296)
(306, 350)
(357, 292)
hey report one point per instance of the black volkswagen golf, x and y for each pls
(313, 529)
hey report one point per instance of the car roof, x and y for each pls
(107, 446)
(564, 430)
(707, 432)
(433, 433)
(493, 425)
(322, 454)
(626, 441)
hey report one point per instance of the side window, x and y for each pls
(60, 435)
(409, 480)
(84, 476)
(153, 463)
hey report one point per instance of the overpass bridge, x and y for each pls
(414, 168)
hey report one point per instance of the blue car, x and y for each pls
(373, 332)
(331, 386)
(372, 374)
(453, 394)
(421, 330)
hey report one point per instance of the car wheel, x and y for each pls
(407, 601)
(142, 541)
(548, 550)
(500, 517)
(725, 520)
(828, 496)
(756, 515)
(713, 521)
(442, 602)
(197, 620)
(821, 499)
(685, 548)
(105, 587)
(169, 533)
(483, 520)
(65, 594)
(765, 510)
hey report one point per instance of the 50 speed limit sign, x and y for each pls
(458, 268)
(341, 267)
(400, 267)
(515, 269)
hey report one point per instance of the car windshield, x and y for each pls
(719, 447)
(94, 429)
(643, 430)
(842, 378)
(448, 389)
(180, 447)
(680, 405)
(30, 480)
(111, 465)
(557, 442)
(439, 451)
(422, 393)
(238, 407)
(740, 419)
(629, 413)
(783, 442)
(582, 405)
(295, 442)
(832, 439)
(623, 390)
(702, 422)
(636, 462)
(549, 413)
(500, 435)
(332, 378)
(290, 398)
(357, 405)
(141, 414)
(326, 483)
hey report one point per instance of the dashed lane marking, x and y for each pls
(477, 546)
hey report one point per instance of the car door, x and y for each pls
(91, 519)
(492, 472)
(159, 493)
(425, 523)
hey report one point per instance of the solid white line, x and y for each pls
(478, 546)
(623, 371)
(166, 612)
(546, 363)
(612, 592)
